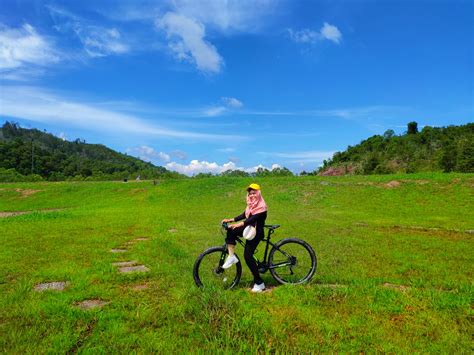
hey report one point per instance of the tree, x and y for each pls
(412, 128)
(389, 133)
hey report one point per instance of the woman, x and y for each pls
(254, 215)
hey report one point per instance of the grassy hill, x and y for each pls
(394, 266)
(40, 155)
(433, 149)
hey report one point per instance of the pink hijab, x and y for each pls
(255, 204)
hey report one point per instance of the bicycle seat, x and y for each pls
(272, 226)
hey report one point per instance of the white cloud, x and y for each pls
(98, 41)
(232, 102)
(187, 42)
(228, 15)
(302, 157)
(149, 154)
(196, 167)
(21, 48)
(327, 32)
(179, 154)
(40, 105)
(331, 33)
(214, 111)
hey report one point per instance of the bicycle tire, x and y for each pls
(305, 262)
(207, 271)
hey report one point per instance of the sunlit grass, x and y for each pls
(394, 266)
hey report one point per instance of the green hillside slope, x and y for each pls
(433, 149)
(43, 156)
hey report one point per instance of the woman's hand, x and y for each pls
(236, 225)
(227, 220)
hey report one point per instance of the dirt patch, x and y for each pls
(172, 230)
(26, 193)
(137, 268)
(19, 213)
(337, 171)
(125, 263)
(141, 239)
(118, 250)
(392, 184)
(55, 286)
(141, 287)
(401, 288)
(11, 214)
(91, 304)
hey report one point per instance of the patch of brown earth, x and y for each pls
(26, 193)
(91, 304)
(55, 286)
(392, 184)
(118, 250)
(401, 288)
(172, 230)
(11, 214)
(337, 171)
(141, 287)
(19, 213)
(125, 263)
(141, 239)
(137, 268)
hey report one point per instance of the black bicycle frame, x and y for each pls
(263, 266)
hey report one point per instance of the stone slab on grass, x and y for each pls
(141, 239)
(117, 250)
(91, 304)
(125, 263)
(55, 286)
(137, 268)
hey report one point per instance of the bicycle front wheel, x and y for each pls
(208, 271)
(292, 261)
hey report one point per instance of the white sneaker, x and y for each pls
(231, 260)
(258, 288)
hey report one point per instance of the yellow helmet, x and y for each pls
(253, 187)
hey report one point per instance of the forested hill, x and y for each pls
(38, 155)
(433, 149)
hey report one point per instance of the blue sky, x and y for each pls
(200, 86)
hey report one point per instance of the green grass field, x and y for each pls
(395, 266)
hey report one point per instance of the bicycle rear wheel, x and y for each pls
(208, 272)
(292, 261)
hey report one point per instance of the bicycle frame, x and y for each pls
(263, 265)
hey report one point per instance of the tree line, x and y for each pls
(431, 149)
(32, 155)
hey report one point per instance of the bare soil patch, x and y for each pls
(125, 263)
(11, 214)
(91, 304)
(25, 193)
(172, 230)
(401, 288)
(141, 287)
(137, 268)
(118, 250)
(141, 239)
(392, 184)
(55, 286)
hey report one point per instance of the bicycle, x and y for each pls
(290, 261)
